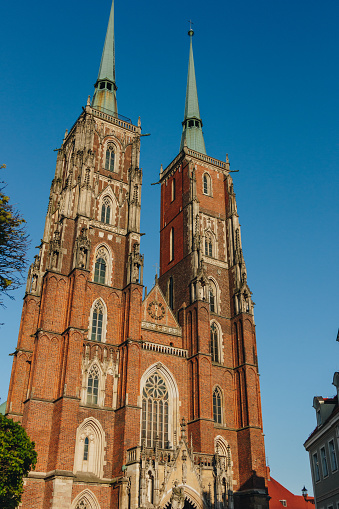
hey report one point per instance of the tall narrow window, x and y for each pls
(214, 343)
(106, 210)
(172, 244)
(212, 300)
(155, 412)
(86, 444)
(173, 190)
(100, 271)
(324, 461)
(110, 156)
(316, 467)
(206, 184)
(333, 456)
(97, 321)
(100, 267)
(217, 406)
(92, 388)
(170, 293)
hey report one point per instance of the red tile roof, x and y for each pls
(278, 493)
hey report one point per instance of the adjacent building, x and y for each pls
(139, 400)
(323, 448)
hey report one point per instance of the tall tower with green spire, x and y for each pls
(192, 123)
(104, 97)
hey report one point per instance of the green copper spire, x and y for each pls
(104, 97)
(192, 124)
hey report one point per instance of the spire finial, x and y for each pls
(192, 124)
(104, 97)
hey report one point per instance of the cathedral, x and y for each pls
(139, 400)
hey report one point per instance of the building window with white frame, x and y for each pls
(333, 456)
(324, 461)
(217, 406)
(155, 412)
(86, 444)
(106, 210)
(316, 467)
(97, 322)
(101, 266)
(208, 247)
(110, 158)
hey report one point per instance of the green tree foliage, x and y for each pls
(17, 458)
(13, 245)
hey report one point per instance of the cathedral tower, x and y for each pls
(138, 402)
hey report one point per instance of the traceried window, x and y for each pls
(211, 299)
(214, 344)
(106, 210)
(208, 247)
(217, 406)
(92, 389)
(97, 321)
(100, 268)
(155, 412)
(86, 444)
(110, 156)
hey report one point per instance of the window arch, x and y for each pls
(206, 184)
(217, 406)
(155, 411)
(173, 189)
(90, 436)
(164, 389)
(208, 247)
(214, 344)
(93, 380)
(106, 210)
(86, 500)
(102, 266)
(97, 329)
(110, 157)
(213, 296)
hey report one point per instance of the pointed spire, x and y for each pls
(104, 97)
(192, 124)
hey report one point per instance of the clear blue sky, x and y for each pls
(267, 74)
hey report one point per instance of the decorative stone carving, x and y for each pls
(177, 497)
(135, 263)
(83, 245)
(54, 249)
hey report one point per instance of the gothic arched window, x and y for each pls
(214, 343)
(208, 247)
(106, 210)
(97, 322)
(173, 190)
(92, 389)
(212, 300)
(100, 268)
(206, 184)
(86, 444)
(155, 412)
(110, 156)
(217, 406)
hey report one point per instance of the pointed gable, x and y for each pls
(156, 315)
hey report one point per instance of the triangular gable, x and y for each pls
(184, 475)
(156, 313)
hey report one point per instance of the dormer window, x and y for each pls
(109, 86)
(102, 85)
(318, 417)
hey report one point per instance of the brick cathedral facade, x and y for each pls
(136, 400)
